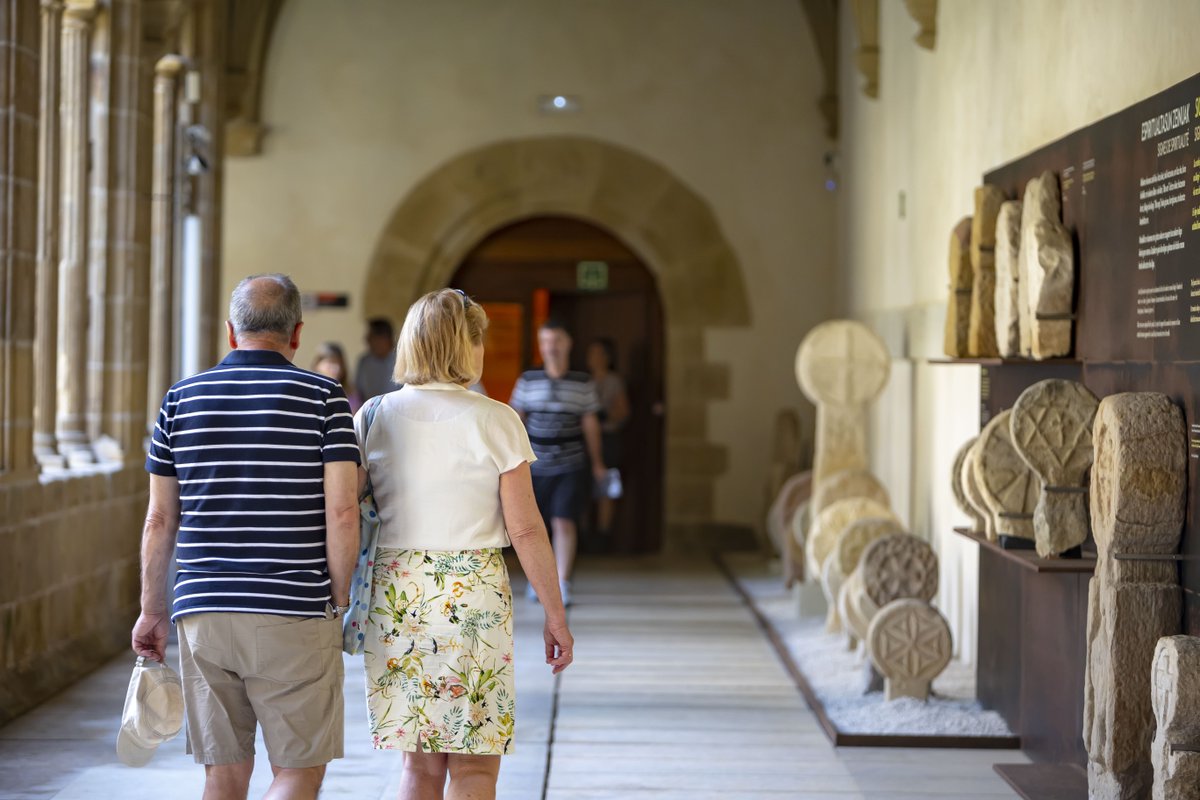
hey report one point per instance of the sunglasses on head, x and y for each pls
(465, 300)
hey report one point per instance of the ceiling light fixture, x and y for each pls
(558, 103)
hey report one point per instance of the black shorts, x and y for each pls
(610, 447)
(563, 496)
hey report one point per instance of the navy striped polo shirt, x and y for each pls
(248, 441)
(554, 409)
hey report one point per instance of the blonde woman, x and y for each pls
(450, 473)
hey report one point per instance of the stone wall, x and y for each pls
(68, 579)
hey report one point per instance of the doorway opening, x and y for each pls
(580, 274)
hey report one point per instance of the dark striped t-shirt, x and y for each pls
(248, 441)
(554, 409)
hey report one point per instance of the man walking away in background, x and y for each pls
(559, 409)
(254, 467)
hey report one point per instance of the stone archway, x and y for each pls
(671, 227)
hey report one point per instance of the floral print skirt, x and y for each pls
(438, 652)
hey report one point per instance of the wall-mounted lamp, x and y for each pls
(197, 139)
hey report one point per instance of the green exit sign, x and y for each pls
(592, 276)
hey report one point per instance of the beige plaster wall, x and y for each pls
(364, 98)
(1005, 78)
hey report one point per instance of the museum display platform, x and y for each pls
(775, 614)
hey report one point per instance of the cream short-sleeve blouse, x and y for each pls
(435, 453)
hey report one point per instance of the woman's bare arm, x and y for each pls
(527, 532)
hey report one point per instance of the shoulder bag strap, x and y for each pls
(369, 411)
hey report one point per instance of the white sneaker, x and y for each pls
(564, 588)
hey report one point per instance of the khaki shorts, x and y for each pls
(285, 673)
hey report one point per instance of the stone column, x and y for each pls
(212, 47)
(18, 229)
(162, 233)
(73, 282)
(46, 341)
(126, 324)
(99, 102)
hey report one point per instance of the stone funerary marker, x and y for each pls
(1052, 431)
(962, 282)
(841, 366)
(981, 335)
(1008, 274)
(1138, 496)
(1009, 487)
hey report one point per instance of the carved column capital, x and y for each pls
(924, 12)
(866, 58)
(79, 12)
(169, 66)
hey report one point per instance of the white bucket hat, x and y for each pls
(153, 712)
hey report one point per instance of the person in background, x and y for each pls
(559, 409)
(614, 402)
(330, 361)
(375, 367)
(450, 473)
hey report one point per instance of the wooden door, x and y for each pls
(531, 259)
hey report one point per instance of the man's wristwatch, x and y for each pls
(340, 611)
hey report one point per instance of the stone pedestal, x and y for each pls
(1138, 496)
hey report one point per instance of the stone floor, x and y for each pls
(675, 693)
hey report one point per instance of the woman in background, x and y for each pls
(602, 363)
(330, 361)
(449, 469)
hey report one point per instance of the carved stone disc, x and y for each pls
(858, 535)
(1009, 487)
(910, 640)
(827, 528)
(1052, 430)
(899, 566)
(842, 362)
(845, 484)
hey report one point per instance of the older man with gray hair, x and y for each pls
(254, 468)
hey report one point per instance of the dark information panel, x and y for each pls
(1131, 198)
